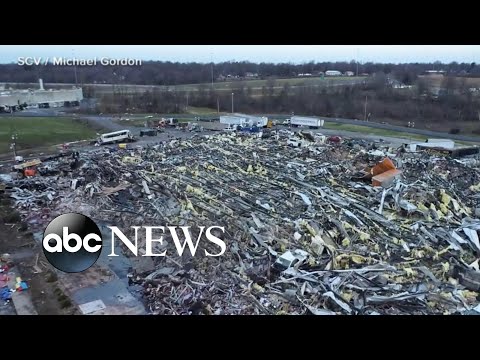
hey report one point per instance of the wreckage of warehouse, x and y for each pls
(324, 229)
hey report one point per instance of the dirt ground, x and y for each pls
(28, 259)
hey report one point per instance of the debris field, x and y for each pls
(308, 230)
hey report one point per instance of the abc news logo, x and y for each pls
(73, 242)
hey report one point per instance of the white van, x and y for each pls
(117, 136)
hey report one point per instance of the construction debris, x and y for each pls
(307, 232)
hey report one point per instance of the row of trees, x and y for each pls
(376, 98)
(171, 73)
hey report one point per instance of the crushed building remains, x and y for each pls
(306, 231)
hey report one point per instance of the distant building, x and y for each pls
(305, 74)
(435, 72)
(349, 73)
(333, 73)
(14, 100)
(251, 75)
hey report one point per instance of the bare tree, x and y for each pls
(449, 85)
(421, 86)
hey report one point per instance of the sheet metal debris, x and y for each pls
(306, 231)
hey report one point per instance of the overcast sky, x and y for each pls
(253, 53)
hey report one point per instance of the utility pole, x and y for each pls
(74, 66)
(365, 108)
(232, 102)
(218, 105)
(357, 62)
(211, 67)
(14, 146)
(186, 109)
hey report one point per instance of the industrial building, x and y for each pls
(13, 100)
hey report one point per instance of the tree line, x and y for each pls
(174, 73)
(374, 100)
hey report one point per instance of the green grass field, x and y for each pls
(369, 130)
(192, 110)
(41, 131)
(373, 131)
(229, 85)
(255, 85)
(202, 111)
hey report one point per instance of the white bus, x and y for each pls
(117, 136)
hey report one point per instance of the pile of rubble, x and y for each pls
(307, 232)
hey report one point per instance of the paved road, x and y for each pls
(429, 133)
(108, 123)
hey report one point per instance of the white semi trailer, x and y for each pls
(234, 120)
(312, 122)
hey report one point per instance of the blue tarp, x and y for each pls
(5, 294)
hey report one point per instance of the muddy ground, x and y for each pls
(28, 259)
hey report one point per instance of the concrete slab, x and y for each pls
(99, 285)
(92, 306)
(114, 295)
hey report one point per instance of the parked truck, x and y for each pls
(233, 120)
(262, 122)
(251, 129)
(265, 122)
(311, 122)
